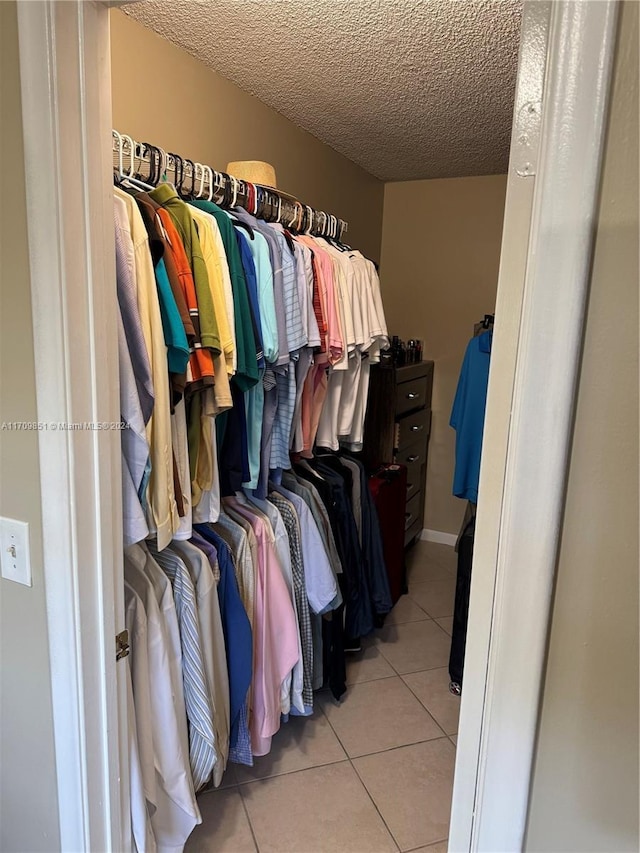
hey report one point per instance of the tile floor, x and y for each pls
(373, 774)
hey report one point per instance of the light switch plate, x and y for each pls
(14, 551)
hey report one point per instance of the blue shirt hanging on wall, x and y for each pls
(467, 416)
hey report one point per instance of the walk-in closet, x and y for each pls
(308, 206)
(318, 447)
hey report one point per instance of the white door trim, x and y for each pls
(530, 406)
(66, 104)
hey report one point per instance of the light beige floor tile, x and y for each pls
(414, 646)
(440, 847)
(224, 828)
(445, 555)
(432, 689)
(421, 572)
(379, 715)
(372, 639)
(446, 623)
(405, 610)
(302, 742)
(412, 788)
(435, 597)
(367, 665)
(317, 810)
(425, 562)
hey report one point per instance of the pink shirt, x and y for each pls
(335, 336)
(275, 635)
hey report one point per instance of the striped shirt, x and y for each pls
(296, 334)
(292, 525)
(280, 437)
(202, 746)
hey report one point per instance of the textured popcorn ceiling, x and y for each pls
(407, 89)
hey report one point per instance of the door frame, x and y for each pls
(65, 76)
(565, 65)
(564, 79)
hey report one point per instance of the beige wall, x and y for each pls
(439, 274)
(585, 790)
(28, 802)
(166, 97)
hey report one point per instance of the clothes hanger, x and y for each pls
(293, 224)
(267, 205)
(131, 147)
(117, 147)
(217, 186)
(241, 224)
(226, 185)
(309, 222)
(124, 179)
(199, 175)
(262, 196)
(249, 197)
(153, 153)
(208, 171)
(178, 171)
(190, 172)
(337, 235)
(163, 166)
(304, 464)
(234, 191)
(151, 179)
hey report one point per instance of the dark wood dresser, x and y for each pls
(397, 429)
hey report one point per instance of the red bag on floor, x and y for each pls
(389, 489)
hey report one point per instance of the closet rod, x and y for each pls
(150, 165)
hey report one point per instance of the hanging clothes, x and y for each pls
(467, 415)
(251, 562)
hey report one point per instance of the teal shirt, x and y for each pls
(247, 368)
(175, 336)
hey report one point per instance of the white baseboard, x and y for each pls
(439, 537)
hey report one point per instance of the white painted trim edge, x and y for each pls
(66, 117)
(517, 561)
(439, 537)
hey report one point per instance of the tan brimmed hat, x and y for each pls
(256, 172)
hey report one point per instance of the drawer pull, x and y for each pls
(417, 427)
(412, 395)
(408, 517)
(413, 458)
(409, 486)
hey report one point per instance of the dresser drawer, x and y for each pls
(412, 512)
(411, 395)
(413, 531)
(413, 428)
(413, 457)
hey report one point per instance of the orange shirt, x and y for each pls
(201, 359)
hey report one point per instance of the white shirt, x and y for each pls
(177, 812)
(142, 771)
